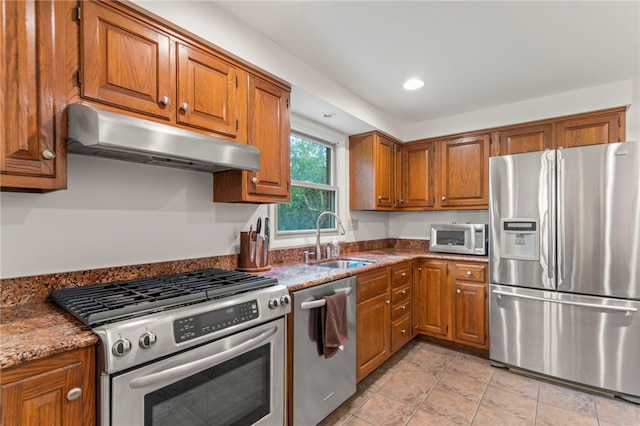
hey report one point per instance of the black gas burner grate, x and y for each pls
(102, 303)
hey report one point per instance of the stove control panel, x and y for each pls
(187, 328)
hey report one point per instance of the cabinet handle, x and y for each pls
(48, 154)
(403, 331)
(184, 106)
(468, 273)
(165, 100)
(404, 274)
(254, 180)
(458, 291)
(379, 197)
(420, 269)
(404, 292)
(74, 394)
(388, 302)
(404, 307)
(444, 198)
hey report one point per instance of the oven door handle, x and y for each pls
(188, 369)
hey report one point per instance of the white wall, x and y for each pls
(622, 93)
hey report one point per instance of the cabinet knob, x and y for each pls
(404, 292)
(403, 331)
(458, 291)
(468, 273)
(48, 154)
(184, 106)
(74, 394)
(379, 197)
(404, 307)
(165, 100)
(254, 180)
(388, 302)
(419, 269)
(444, 198)
(404, 274)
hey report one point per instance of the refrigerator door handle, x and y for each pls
(561, 240)
(552, 217)
(567, 302)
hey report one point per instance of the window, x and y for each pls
(312, 187)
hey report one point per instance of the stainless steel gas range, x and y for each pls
(200, 348)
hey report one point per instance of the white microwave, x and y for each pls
(460, 238)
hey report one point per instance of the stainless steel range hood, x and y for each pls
(96, 132)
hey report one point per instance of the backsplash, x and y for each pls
(21, 290)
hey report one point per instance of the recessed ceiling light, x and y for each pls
(328, 115)
(413, 84)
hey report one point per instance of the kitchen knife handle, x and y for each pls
(259, 226)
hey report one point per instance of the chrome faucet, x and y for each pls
(323, 214)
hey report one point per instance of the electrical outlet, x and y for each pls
(353, 225)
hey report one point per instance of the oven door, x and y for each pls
(238, 380)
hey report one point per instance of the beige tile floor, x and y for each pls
(425, 384)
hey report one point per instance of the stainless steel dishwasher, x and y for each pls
(320, 385)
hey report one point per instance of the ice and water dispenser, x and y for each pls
(519, 239)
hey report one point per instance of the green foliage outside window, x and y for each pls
(312, 191)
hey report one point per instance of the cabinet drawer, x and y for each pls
(471, 272)
(371, 285)
(400, 293)
(400, 309)
(400, 275)
(400, 333)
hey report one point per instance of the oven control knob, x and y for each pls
(285, 299)
(121, 347)
(147, 340)
(273, 303)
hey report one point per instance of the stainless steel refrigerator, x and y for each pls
(564, 270)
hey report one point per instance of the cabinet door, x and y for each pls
(384, 154)
(126, 63)
(464, 177)
(525, 139)
(433, 299)
(590, 130)
(470, 313)
(373, 321)
(207, 88)
(372, 331)
(32, 143)
(269, 131)
(59, 394)
(417, 179)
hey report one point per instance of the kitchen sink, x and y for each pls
(345, 263)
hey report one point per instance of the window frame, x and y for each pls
(312, 185)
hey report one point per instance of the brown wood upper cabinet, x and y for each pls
(591, 129)
(269, 131)
(33, 151)
(373, 160)
(464, 173)
(526, 139)
(132, 65)
(417, 176)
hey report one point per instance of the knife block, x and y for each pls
(244, 262)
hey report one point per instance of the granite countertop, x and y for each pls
(300, 275)
(39, 329)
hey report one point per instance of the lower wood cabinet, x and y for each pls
(383, 315)
(452, 301)
(372, 321)
(58, 390)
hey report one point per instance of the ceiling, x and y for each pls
(472, 55)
